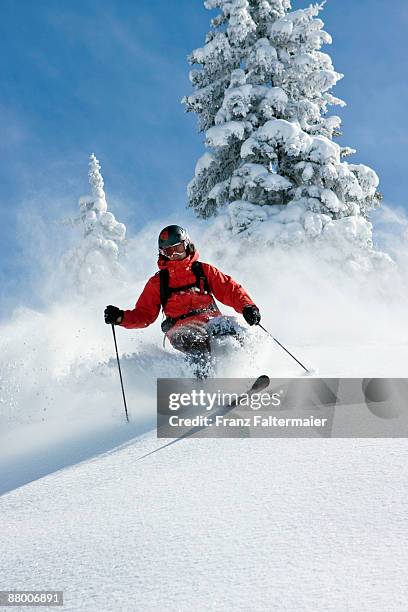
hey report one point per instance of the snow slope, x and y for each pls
(217, 525)
(242, 524)
(211, 524)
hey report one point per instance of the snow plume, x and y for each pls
(327, 297)
(262, 98)
(60, 398)
(391, 232)
(96, 258)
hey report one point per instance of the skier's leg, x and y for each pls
(224, 326)
(193, 340)
(190, 337)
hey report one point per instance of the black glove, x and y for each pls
(113, 315)
(251, 315)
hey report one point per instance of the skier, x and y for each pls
(185, 289)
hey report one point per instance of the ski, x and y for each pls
(261, 383)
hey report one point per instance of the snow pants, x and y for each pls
(191, 338)
(195, 336)
(198, 339)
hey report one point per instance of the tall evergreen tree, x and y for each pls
(95, 258)
(262, 93)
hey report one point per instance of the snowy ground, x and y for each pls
(217, 525)
(83, 413)
(240, 524)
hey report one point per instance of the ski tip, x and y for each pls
(261, 383)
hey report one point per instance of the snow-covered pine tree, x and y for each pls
(95, 259)
(262, 97)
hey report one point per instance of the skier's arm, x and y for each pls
(226, 289)
(147, 306)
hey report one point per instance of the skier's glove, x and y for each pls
(251, 315)
(113, 315)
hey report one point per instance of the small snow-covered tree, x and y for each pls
(95, 259)
(262, 97)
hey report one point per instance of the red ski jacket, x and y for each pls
(222, 287)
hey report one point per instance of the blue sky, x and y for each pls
(107, 76)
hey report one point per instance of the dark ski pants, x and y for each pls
(192, 338)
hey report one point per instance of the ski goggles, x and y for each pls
(174, 249)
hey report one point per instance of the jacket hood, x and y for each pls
(178, 264)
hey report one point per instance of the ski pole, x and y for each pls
(285, 349)
(120, 371)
